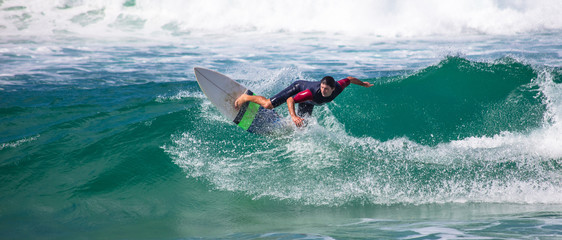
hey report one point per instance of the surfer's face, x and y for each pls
(326, 90)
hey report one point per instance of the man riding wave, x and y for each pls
(307, 94)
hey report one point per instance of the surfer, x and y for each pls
(307, 94)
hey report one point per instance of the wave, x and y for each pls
(452, 100)
(378, 18)
(479, 132)
(458, 131)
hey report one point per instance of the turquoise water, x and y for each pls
(110, 137)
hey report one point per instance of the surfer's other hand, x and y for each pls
(298, 121)
(239, 102)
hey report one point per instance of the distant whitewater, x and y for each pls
(378, 18)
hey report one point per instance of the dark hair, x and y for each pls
(328, 80)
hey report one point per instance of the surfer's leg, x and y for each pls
(286, 93)
(261, 100)
(274, 102)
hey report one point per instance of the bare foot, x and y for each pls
(240, 101)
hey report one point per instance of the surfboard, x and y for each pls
(222, 91)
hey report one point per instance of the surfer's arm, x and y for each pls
(291, 105)
(357, 82)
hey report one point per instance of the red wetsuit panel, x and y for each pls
(344, 82)
(307, 95)
(304, 96)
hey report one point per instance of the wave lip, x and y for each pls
(453, 100)
(379, 18)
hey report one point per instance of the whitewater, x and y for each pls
(105, 134)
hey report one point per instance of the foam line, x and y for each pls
(365, 17)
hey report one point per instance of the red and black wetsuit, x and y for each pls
(307, 95)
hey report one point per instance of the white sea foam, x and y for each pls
(18, 143)
(180, 95)
(371, 17)
(325, 166)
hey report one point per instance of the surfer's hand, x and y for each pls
(298, 121)
(367, 84)
(239, 102)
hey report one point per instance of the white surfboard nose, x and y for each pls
(220, 90)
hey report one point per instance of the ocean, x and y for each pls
(105, 133)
